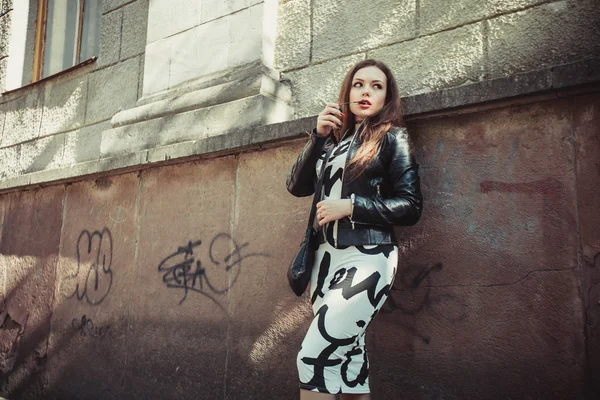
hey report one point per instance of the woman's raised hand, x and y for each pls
(330, 118)
(332, 210)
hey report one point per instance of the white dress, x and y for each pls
(348, 287)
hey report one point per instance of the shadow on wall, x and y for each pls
(90, 345)
(23, 349)
(27, 268)
(154, 359)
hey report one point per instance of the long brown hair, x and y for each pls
(374, 127)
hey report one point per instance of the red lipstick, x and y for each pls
(364, 104)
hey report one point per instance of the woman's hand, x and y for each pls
(332, 210)
(328, 119)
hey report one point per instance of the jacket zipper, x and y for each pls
(350, 218)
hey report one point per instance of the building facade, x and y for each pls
(145, 228)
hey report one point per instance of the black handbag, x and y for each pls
(301, 267)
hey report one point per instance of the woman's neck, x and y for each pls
(358, 123)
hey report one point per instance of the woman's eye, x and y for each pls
(357, 84)
(377, 86)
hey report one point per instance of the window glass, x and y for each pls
(90, 45)
(62, 32)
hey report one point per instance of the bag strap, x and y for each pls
(318, 191)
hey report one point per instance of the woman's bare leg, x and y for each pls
(365, 396)
(308, 395)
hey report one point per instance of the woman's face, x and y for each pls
(369, 87)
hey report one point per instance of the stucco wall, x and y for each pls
(487, 302)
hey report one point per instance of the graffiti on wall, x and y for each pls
(93, 277)
(85, 326)
(412, 295)
(186, 271)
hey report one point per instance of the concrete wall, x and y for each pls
(487, 302)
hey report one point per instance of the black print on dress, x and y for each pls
(384, 249)
(361, 379)
(360, 323)
(337, 277)
(323, 360)
(329, 180)
(329, 234)
(323, 271)
(340, 150)
(369, 285)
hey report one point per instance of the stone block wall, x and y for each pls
(429, 44)
(58, 122)
(191, 39)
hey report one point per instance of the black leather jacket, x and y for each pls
(387, 193)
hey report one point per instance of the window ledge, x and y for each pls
(63, 72)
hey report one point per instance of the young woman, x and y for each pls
(360, 165)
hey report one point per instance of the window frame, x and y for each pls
(40, 40)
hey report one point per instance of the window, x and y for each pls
(67, 33)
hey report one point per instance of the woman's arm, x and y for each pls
(405, 205)
(300, 181)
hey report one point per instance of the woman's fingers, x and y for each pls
(331, 118)
(322, 213)
(333, 110)
(323, 220)
(324, 122)
(324, 128)
(328, 118)
(330, 121)
(332, 210)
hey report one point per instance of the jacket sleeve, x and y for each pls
(301, 180)
(405, 204)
